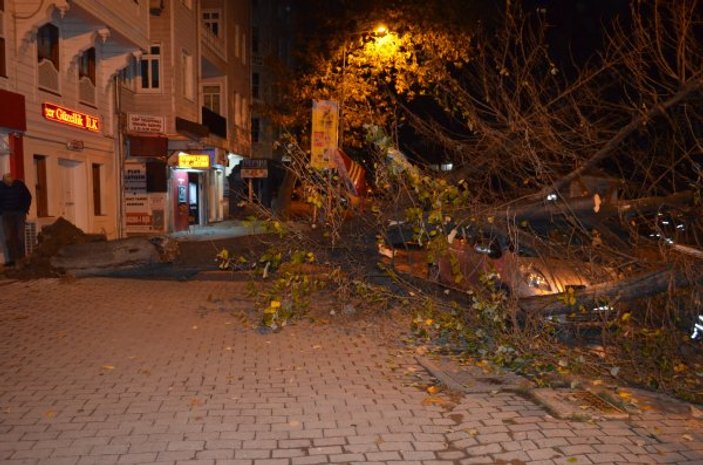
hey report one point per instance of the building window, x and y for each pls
(48, 44)
(237, 109)
(97, 194)
(254, 40)
(245, 112)
(86, 67)
(255, 91)
(151, 68)
(86, 76)
(244, 48)
(211, 21)
(188, 75)
(255, 129)
(40, 188)
(236, 40)
(211, 98)
(3, 67)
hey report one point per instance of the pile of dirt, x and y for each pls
(51, 239)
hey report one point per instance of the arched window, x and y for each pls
(48, 44)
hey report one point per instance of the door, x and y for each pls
(72, 205)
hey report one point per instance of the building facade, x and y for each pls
(184, 109)
(123, 116)
(58, 63)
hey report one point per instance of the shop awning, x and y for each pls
(148, 146)
(191, 129)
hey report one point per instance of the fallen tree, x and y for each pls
(610, 293)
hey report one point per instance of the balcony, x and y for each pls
(216, 123)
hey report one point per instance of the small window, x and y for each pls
(40, 188)
(255, 91)
(97, 194)
(254, 40)
(48, 44)
(187, 75)
(211, 98)
(86, 66)
(211, 21)
(151, 69)
(255, 129)
(237, 109)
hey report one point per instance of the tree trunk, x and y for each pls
(634, 287)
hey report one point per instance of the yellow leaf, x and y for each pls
(433, 389)
(680, 367)
(428, 322)
(625, 395)
(50, 414)
(431, 400)
(625, 316)
(275, 304)
(108, 367)
(572, 460)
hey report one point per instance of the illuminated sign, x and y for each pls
(70, 117)
(187, 160)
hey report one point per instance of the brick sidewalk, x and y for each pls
(100, 371)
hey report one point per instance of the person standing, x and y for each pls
(15, 200)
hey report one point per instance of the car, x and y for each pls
(477, 253)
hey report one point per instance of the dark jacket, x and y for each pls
(15, 197)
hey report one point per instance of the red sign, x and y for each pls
(71, 117)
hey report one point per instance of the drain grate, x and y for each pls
(592, 401)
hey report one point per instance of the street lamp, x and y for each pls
(377, 33)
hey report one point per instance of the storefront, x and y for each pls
(196, 189)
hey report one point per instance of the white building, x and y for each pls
(57, 71)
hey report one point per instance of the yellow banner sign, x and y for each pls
(188, 160)
(325, 124)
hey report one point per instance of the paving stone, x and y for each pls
(160, 372)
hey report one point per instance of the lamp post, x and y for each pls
(377, 32)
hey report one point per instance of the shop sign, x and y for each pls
(325, 123)
(70, 117)
(189, 160)
(135, 178)
(145, 213)
(145, 123)
(254, 168)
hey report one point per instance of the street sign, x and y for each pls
(254, 168)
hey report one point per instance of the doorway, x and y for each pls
(72, 205)
(194, 198)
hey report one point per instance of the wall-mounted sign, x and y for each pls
(254, 168)
(145, 123)
(70, 117)
(189, 160)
